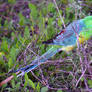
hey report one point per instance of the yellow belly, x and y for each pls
(82, 39)
(67, 48)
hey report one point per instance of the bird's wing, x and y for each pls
(68, 36)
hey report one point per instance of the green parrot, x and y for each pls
(76, 32)
(66, 40)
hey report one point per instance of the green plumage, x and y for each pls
(87, 30)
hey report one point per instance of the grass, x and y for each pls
(23, 27)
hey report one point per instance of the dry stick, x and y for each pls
(81, 63)
(83, 71)
(8, 79)
(36, 77)
(80, 77)
(43, 79)
(59, 13)
(57, 88)
(86, 66)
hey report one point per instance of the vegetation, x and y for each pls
(23, 26)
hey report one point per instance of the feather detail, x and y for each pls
(35, 63)
(50, 41)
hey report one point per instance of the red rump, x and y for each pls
(62, 31)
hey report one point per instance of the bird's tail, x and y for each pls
(52, 51)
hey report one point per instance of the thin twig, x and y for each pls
(59, 13)
(80, 77)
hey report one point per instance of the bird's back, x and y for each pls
(68, 37)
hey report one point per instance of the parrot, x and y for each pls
(78, 31)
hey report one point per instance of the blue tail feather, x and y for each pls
(35, 63)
